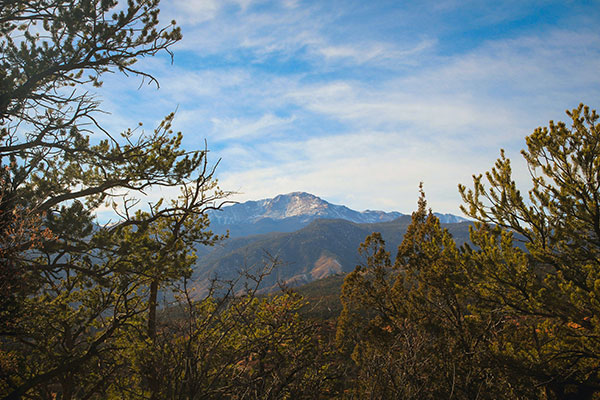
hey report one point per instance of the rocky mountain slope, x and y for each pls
(323, 248)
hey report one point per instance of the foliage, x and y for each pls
(407, 324)
(75, 287)
(79, 302)
(497, 319)
(548, 295)
(323, 297)
(230, 345)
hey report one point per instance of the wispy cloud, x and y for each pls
(373, 52)
(193, 12)
(342, 102)
(245, 129)
(365, 166)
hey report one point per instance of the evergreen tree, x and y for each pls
(408, 323)
(546, 295)
(74, 288)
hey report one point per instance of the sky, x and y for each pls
(359, 101)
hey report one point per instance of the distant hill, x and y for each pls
(291, 212)
(322, 248)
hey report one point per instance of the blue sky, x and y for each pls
(359, 101)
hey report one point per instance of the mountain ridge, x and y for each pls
(293, 211)
(309, 237)
(323, 248)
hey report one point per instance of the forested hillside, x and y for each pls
(325, 247)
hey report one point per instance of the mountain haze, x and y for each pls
(323, 248)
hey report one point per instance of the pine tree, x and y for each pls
(546, 294)
(75, 287)
(408, 324)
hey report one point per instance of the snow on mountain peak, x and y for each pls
(299, 206)
(293, 205)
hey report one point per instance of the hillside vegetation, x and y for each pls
(322, 248)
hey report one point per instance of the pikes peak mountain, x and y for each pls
(309, 237)
(293, 211)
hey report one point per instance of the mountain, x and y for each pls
(323, 248)
(310, 237)
(291, 212)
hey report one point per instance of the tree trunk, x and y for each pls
(153, 301)
(153, 383)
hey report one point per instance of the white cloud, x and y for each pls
(295, 30)
(194, 11)
(391, 113)
(374, 52)
(291, 3)
(244, 4)
(399, 105)
(491, 91)
(368, 169)
(263, 32)
(247, 129)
